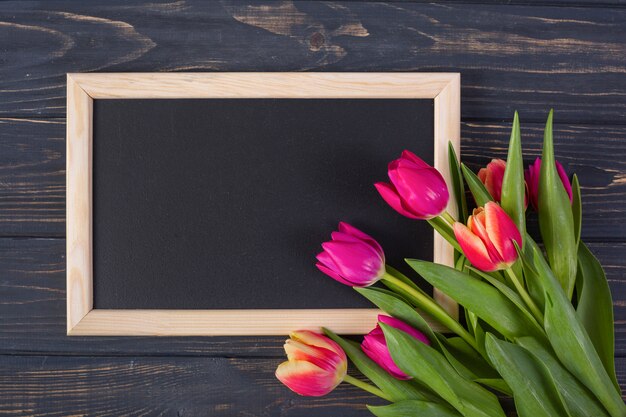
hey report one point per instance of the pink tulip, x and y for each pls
(487, 240)
(532, 180)
(315, 365)
(417, 190)
(375, 346)
(352, 257)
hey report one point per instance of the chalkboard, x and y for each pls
(223, 203)
(196, 203)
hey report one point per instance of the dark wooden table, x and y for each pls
(567, 54)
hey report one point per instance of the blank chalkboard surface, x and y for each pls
(197, 202)
(223, 203)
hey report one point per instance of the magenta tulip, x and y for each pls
(532, 180)
(315, 365)
(487, 240)
(375, 346)
(417, 190)
(352, 257)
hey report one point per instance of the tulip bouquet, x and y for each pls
(538, 320)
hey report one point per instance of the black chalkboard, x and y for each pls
(223, 203)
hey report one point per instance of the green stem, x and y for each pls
(366, 387)
(525, 296)
(448, 217)
(432, 308)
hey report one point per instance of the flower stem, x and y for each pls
(448, 217)
(432, 308)
(366, 387)
(524, 294)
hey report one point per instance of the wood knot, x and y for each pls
(316, 41)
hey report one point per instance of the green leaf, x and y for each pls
(496, 383)
(556, 220)
(577, 208)
(576, 399)
(413, 408)
(457, 182)
(396, 389)
(393, 305)
(533, 281)
(445, 230)
(533, 391)
(481, 298)
(431, 368)
(570, 340)
(403, 278)
(480, 193)
(510, 294)
(595, 308)
(470, 365)
(513, 197)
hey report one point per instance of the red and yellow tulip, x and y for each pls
(315, 365)
(487, 240)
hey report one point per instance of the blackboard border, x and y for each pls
(82, 89)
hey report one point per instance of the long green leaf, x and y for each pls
(556, 220)
(533, 391)
(396, 389)
(481, 298)
(413, 408)
(457, 182)
(477, 188)
(569, 339)
(595, 308)
(513, 197)
(432, 369)
(576, 399)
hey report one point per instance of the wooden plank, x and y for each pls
(32, 171)
(32, 315)
(571, 58)
(150, 386)
(165, 386)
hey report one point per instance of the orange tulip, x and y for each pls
(487, 240)
(315, 366)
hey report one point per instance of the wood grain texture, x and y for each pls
(140, 386)
(160, 386)
(521, 57)
(32, 171)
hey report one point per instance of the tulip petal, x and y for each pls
(371, 243)
(400, 325)
(356, 262)
(351, 230)
(423, 192)
(321, 357)
(502, 231)
(474, 248)
(333, 274)
(316, 339)
(375, 347)
(419, 162)
(389, 194)
(305, 378)
(564, 179)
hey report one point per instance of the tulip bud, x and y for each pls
(352, 257)
(492, 176)
(417, 190)
(375, 346)
(532, 181)
(315, 365)
(487, 240)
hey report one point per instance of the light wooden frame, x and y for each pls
(82, 89)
